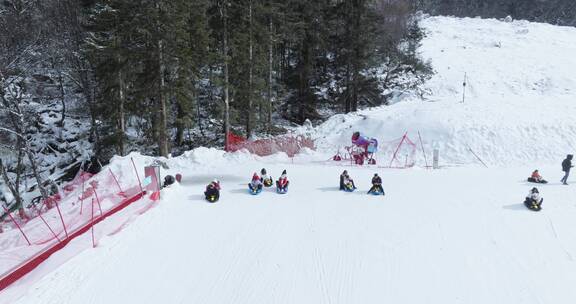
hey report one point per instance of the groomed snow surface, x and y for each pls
(458, 235)
(455, 235)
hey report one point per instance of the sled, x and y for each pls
(255, 191)
(531, 180)
(212, 198)
(349, 188)
(532, 206)
(376, 193)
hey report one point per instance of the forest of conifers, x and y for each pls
(167, 70)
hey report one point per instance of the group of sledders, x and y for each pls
(258, 182)
(533, 200)
(347, 184)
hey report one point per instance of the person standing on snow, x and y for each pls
(566, 165)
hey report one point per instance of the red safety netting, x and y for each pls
(52, 223)
(289, 144)
(401, 152)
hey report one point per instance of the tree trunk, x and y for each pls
(162, 118)
(250, 75)
(270, 63)
(13, 189)
(357, 54)
(62, 99)
(121, 120)
(224, 14)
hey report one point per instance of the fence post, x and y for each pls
(92, 224)
(97, 200)
(46, 223)
(82, 195)
(15, 223)
(477, 157)
(61, 218)
(137, 176)
(423, 152)
(398, 149)
(116, 180)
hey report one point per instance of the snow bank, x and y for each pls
(520, 103)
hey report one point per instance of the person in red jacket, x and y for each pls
(282, 183)
(536, 178)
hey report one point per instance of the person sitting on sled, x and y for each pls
(536, 178)
(256, 183)
(265, 179)
(213, 190)
(346, 182)
(533, 199)
(376, 185)
(282, 183)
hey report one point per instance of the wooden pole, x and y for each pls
(423, 152)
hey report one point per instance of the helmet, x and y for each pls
(534, 190)
(263, 171)
(215, 181)
(375, 174)
(283, 172)
(345, 172)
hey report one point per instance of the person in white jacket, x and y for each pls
(533, 199)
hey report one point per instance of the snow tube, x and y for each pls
(532, 180)
(349, 188)
(255, 191)
(212, 198)
(532, 206)
(282, 191)
(378, 192)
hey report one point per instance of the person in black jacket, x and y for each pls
(346, 181)
(566, 165)
(376, 184)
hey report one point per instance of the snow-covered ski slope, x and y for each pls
(520, 105)
(456, 235)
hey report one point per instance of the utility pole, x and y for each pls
(464, 88)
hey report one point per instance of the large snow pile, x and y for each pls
(520, 96)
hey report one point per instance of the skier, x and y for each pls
(212, 192)
(536, 178)
(265, 179)
(533, 200)
(376, 185)
(256, 184)
(282, 183)
(346, 183)
(566, 165)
